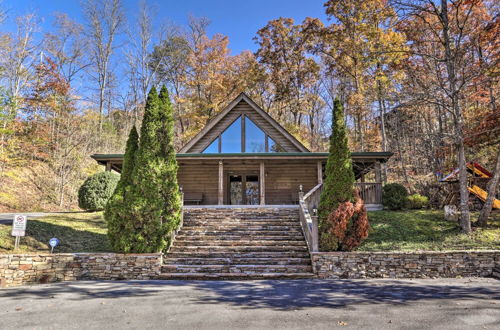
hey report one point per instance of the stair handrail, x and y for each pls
(308, 222)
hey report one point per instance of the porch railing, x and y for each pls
(308, 206)
(370, 192)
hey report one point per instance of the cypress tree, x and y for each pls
(338, 186)
(120, 227)
(155, 201)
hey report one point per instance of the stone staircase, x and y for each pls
(239, 243)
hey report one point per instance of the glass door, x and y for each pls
(243, 189)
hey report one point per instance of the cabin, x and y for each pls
(245, 157)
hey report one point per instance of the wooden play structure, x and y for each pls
(478, 180)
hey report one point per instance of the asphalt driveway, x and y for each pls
(299, 304)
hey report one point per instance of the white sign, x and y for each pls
(19, 225)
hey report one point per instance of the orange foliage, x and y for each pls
(349, 224)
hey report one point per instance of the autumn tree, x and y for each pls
(105, 19)
(293, 74)
(17, 56)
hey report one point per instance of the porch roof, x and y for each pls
(363, 162)
(359, 156)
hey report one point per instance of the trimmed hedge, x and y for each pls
(97, 190)
(394, 196)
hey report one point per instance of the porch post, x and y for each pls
(108, 166)
(262, 180)
(378, 172)
(320, 172)
(221, 183)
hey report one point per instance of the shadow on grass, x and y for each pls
(270, 294)
(39, 233)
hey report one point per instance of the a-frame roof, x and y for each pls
(243, 104)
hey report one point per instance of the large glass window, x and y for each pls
(255, 138)
(231, 138)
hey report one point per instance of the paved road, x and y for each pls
(299, 304)
(6, 218)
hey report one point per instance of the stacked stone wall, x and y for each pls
(19, 269)
(405, 264)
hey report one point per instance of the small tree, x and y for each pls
(120, 223)
(154, 201)
(343, 222)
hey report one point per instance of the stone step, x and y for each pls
(235, 276)
(235, 268)
(229, 249)
(243, 228)
(220, 243)
(253, 233)
(240, 223)
(222, 236)
(222, 254)
(239, 261)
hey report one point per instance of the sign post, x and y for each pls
(53, 242)
(18, 228)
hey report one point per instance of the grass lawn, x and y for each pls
(390, 231)
(425, 230)
(77, 232)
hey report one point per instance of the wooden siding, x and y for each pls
(243, 108)
(200, 178)
(282, 180)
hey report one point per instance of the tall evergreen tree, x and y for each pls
(338, 186)
(155, 202)
(120, 224)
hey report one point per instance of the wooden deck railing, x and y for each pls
(308, 206)
(370, 192)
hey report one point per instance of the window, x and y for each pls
(213, 147)
(256, 140)
(231, 138)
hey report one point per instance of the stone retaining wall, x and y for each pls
(19, 269)
(404, 264)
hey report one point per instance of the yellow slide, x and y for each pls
(483, 195)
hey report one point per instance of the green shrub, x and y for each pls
(96, 191)
(394, 196)
(417, 202)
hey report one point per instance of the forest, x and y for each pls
(418, 78)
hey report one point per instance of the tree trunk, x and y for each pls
(492, 190)
(458, 120)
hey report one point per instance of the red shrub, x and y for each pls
(349, 224)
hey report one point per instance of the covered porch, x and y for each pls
(262, 178)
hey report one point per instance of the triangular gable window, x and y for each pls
(213, 147)
(256, 140)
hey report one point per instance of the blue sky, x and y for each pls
(239, 20)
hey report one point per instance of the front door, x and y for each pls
(243, 189)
